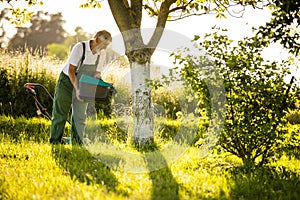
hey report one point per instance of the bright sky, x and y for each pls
(92, 20)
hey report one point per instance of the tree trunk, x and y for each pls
(128, 18)
(142, 108)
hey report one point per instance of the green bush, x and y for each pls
(59, 51)
(168, 101)
(291, 143)
(15, 71)
(257, 95)
(293, 117)
(168, 129)
(202, 131)
(188, 100)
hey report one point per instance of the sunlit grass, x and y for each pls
(44, 172)
(31, 170)
(16, 61)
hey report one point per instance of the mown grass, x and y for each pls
(32, 170)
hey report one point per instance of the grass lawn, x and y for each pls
(31, 170)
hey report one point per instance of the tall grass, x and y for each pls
(16, 69)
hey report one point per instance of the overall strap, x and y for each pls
(83, 53)
(82, 57)
(97, 61)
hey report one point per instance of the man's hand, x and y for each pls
(78, 95)
(98, 75)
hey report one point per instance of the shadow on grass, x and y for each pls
(164, 185)
(83, 167)
(264, 183)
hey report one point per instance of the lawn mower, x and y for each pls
(41, 110)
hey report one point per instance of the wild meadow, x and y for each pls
(111, 168)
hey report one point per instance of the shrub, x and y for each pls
(291, 143)
(257, 95)
(168, 101)
(293, 117)
(59, 51)
(189, 101)
(168, 129)
(15, 71)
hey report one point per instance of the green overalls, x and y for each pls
(64, 97)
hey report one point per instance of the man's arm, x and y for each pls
(73, 79)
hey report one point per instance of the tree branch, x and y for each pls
(161, 23)
(189, 15)
(136, 14)
(180, 7)
(120, 13)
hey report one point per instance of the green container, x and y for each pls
(93, 89)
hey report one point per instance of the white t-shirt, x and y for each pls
(90, 58)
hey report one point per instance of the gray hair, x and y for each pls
(105, 34)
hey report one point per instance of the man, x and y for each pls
(67, 88)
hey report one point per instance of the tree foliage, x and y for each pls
(258, 96)
(3, 20)
(58, 51)
(45, 29)
(80, 35)
(283, 26)
(62, 50)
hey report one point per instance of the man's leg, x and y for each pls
(61, 107)
(78, 121)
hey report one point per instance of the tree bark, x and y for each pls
(143, 115)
